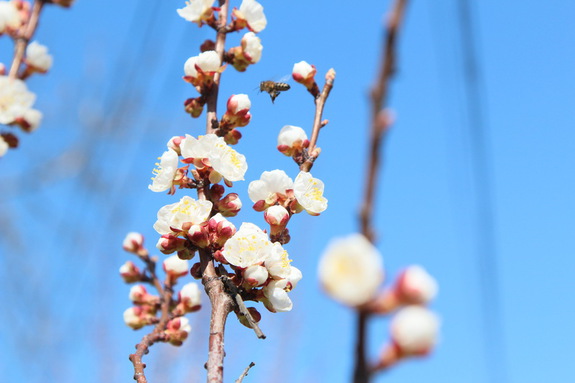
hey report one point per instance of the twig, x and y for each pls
(317, 122)
(212, 100)
(245, 373)
(157, 335)
(233, 291)
(379, 126)
(23, 39)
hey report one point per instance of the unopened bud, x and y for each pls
(194, 106)
(255, 275)
(415, 286)
(190, 297)
(137, 317)
(168, 244)
(175, 267)
(230, 205)
(139, 295)
(292, 140)
(133, 243)
(276, 216)
(130, 272)
(177, 330)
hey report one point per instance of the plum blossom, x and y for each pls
(252, 47)
(304, 73)
(276, 215)
(291, 140)
(277, 296)
(251, 14)
(9, 16)
(270, 183)
(191, 296)
(248, 246)
(255, 275)
(37, 56)
(414, 330)
(415, 286)
(197, 11)
(164, 172)
(180, 216)
(309, 193)
(278, 262)
(351, 269)
(201, 69)
(15, 99)
(221, 157)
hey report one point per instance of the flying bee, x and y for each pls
(273, 88)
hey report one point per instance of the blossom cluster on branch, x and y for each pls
(18, 21)
(235, 265)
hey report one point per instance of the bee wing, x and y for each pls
(285, 78)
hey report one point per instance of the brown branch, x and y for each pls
(24, 38)
(158, 334)
(317, 122)
(245, 373)
(212, 99)
(380, 122)
(222, 305)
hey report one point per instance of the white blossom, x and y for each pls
(414, 329)
(351, 269)
(253, 13)
(309, 193)
(186, 211)
(294, 277)
(252, 47)
(255, 275)
(416, 285)
(223, 159)
(3, 146)
(9, 16)
(33, 118)
(185, 325)
(175, 265)
(38, 57)
(197, 10)
(302, 70)
(291, 136)
(15, 99)
(209, 61)
(277, 296)
(238, 102)
(137, 292)
(164, 172)
(190, 67)
(275, 181)
(191, 293)
(248, 246)
(278, 262)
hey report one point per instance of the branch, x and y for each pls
(23, 39)
(245, 373)
(317, 122)
(212, 101)
(380, 122)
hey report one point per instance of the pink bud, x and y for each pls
(133, 242)
(277, 216)
(198, 235)
(177, 330)
(190, 297)
(230, 205)
(130, 272)
(139, 295)
(174, 144)
(168, 244)
(415, 286)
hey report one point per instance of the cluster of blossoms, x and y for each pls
(16, 101)
(146, 306)
(351, 271)
(251, 260)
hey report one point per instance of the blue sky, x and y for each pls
(114, 97)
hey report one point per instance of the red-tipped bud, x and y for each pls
(194, 106)
(255, 275)
(140, 296)
(174, 144)
(232, 137)
(217, 191)
(175, 268)
(177, 330)
(134, 243)
(190, 298)
(276, 216)
(415, 286)
(198, 235)
(130, 272)
(304, 74)
(168, 244)
(196, 271)
(139, 316)
(230, 205)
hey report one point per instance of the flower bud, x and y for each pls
(255, 275)
(304, 74)
(139, 295)
(220, 229)
(194, 106)
(130, 272)
(175, 267)
(190, 297)
(174, 144)
(198, 235)
(186, 254)
(232, 137)
(137, 317)
(414, 330)
(133, 243)
(238, 113)
(292, 140)
(196, 271)
(277, 216)
(177, 330)
(29, 121)
(200, 70)
(168, 244)
(37, 57)
(230, 205)
(415, 286)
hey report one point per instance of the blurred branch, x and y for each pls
(380, 122)
(24, 38)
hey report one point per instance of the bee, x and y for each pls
(273, 88)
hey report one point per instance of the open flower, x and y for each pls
(197, 11)
(278, 262)
(277, 296)
(309, 193)
(15, 99)
(221, 157)
(351, 270)
(248, 246)
(180, 216)
(250, 14)
(200, 70)
(38, 58)
(269, 186)
(252, 47)
(165, 172)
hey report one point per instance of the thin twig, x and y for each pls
(245, 373)
(233, 291)
(318, 123)
(379, 125)
(23, 39)
(212, 99)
